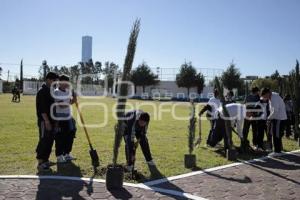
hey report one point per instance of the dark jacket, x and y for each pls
(132, 126)
(44, 100)
(264, 107)
(252, 99)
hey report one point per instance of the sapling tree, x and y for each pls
(119, 127)
(192, 128)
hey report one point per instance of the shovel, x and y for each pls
(133, 172)
(93, 152)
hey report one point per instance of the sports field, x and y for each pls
(167, 138)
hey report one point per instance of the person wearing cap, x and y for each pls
(250, 103)
(65, 124)
(44, 101)
(136, 124)
(276, 118)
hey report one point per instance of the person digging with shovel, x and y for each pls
(136, 124)
(237, 113)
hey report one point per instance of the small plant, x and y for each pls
(191, 128)
(190, 159)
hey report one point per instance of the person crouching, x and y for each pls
(136, 124)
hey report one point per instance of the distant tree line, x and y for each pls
(141, 76)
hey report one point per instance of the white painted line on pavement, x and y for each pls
(172, 178)
(70, 178)
(176, 193)
(148, 185)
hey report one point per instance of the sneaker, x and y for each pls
(69, 157)
(61, 159)
(269, 150)
(129, 168)
(151, 163)
(43, 167)
(260, 149)
(274, 154)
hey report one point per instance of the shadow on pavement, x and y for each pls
(156, 174)
(290, 158)
(121, 193)
(275, 164)
(246, 179)
(278, 163)
(59, 189)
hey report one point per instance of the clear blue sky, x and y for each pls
(259, 35)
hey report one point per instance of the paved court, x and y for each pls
(268, 178)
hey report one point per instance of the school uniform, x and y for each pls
(262, 123)
(237, 113)
(211, 110)
(44, 100)
(214, 103)
(65, 124)
(132, 131)
(252, 100)
(277, 117)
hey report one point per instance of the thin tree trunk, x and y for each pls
(226, 114)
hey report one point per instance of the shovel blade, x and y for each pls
(94, 157)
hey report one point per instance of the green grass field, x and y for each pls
(167, 138)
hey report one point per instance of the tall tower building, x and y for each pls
(86, 52)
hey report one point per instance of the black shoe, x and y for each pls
(43, 167)
(50, 163)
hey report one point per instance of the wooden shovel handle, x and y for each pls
(82, 121)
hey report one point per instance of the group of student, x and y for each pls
(56, 124)
(265, 111)
(54, 119)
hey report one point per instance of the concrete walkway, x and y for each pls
(269, 178)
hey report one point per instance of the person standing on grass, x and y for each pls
(45, 122)
(136, 125)
(64, 124)
(251, 102)
(262, 115)
(276, 118)
(15, 94)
